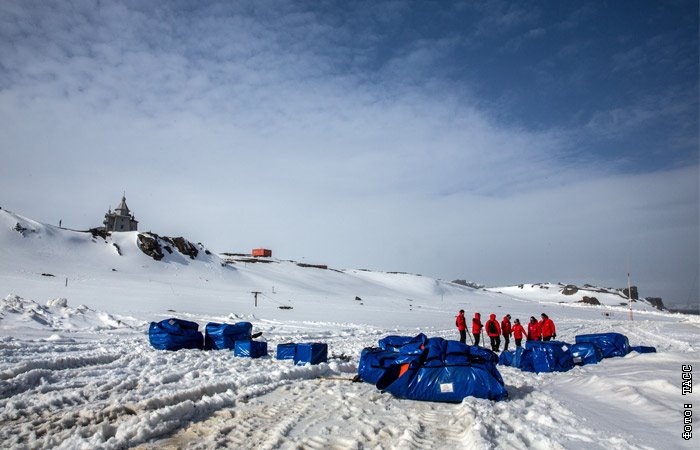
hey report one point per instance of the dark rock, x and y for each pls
(590, 300)
(148, 243)
(314, 266)
(99, 232)
(635, 294)
(168, 249)
(656, 302)
(470, 284)
(358, 299)
(569, 289)
(20, 229)
(185, 247)
(119, 251)
(47, 275)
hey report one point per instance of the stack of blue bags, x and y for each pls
(557, 356)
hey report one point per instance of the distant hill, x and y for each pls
(123, 272)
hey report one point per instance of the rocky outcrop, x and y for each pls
(153, 245)
(589, 300)
(633, 289)
(99, 232)
(656, 302)
(184, 246)
(470, 284)
(569, 289)
(148, 243)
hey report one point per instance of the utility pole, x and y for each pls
(255, 293)
(629, 294)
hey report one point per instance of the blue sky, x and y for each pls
(503, 142)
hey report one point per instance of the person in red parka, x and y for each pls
(476, 327)
(533, 330)
(506, 331)
(461, 323)
(547, 329)
(518, 332)
(493, 329)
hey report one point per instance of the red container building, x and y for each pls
(262, 252)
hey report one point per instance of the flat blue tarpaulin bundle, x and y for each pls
(446, 371)
(586, 353)
(175, 334)
(551, 356)
(611, 344)
(224, 336)
(311, 353)
(395, 343)
(286, 351)
(643, 349)
(250, 349)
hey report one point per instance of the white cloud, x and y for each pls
(250, 125)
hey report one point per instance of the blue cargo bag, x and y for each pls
(550, 356)
(506, 358)
(374, 361)
(446, 371)
(224, 336)
(175, 334)
(395, 343)
(643, 349)
(511, 357)
(286, 351)
(312, 353)
(250, 349)
(586, 353)
(611, 344)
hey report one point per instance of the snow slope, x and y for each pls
(557, 293)
(79, 373)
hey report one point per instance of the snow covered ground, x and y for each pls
(79, 373)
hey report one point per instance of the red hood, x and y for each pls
(492, 316)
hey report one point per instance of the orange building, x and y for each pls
(262, 252)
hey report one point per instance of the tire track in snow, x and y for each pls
(68, 362)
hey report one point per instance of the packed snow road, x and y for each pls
(110, 389)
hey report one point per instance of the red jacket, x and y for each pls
(547, 327)
(492, 326)
(461, 322)
(506, 329)
(476, 324)
(518, 331)
(533, 331)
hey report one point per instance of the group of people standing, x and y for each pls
(543, 330)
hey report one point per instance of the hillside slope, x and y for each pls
(78, 372)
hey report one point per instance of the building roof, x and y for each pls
(122, 209)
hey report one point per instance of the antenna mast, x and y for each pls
(629, 295)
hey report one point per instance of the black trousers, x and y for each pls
(495, 343)
(518, 342)
(476, 338)
(463, 336)
(506, 340)
(548, 338)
